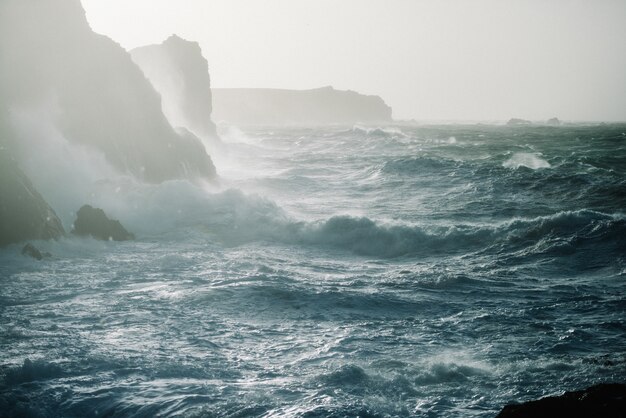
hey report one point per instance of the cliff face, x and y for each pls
(179, 72)
(24, 214)
(48, 54)
(321, 106)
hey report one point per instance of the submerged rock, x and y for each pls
(94, 222)
(32, 251)
(24, 214)
(604, 400)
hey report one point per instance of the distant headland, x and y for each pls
(321, 106)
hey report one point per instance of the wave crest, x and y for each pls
(526, 159)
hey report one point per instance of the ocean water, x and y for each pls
(429, 271)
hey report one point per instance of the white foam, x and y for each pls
(526, 159)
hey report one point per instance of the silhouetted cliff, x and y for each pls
(179, 72)
(92, 89)
(320, 106)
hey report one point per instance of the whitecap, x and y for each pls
(526, 159)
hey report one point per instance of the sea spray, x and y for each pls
(525, 159)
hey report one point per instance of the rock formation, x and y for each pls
(553, 122)
(518, 122)
(605, 400)
(30, 250)
(24, 214)
(93, 222)
(97, 95)
(320, 106)
(179, 72)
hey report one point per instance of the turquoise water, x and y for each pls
(435, 271)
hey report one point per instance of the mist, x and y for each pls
(430, 60)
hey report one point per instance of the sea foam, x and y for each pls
(526, 159)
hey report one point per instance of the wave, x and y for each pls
(278, 298)
(447, 372)
(413, 165)
(354, 379)
(365, 237)
(234, 218)
(378, 131)
(526, 159)
(181, 209)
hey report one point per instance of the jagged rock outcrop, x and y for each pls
(605, 400)
(179, 72)
(322, 106)
(30, 250)
(24, 214)
(94, 222)
(94, 91)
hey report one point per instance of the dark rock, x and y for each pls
(604, 400)
(518, 122)
(32, 251)
(24, 214)
(94, 222)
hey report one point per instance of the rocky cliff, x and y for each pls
(179, 72)
(94, 91)
(24, 214)
(321, 106)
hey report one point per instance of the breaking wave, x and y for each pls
(234, 218)
(378, 131)
(526, 159)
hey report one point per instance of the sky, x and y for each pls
(428, 59)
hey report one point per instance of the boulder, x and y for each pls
(93, 222)
(604, 400)
(31, 251)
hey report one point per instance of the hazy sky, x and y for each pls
(429, 59)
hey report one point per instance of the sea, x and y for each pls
(386, 271)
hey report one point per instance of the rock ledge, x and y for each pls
(606, 400)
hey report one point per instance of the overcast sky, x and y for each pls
(428, 59)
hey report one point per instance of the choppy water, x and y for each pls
(409, 271)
